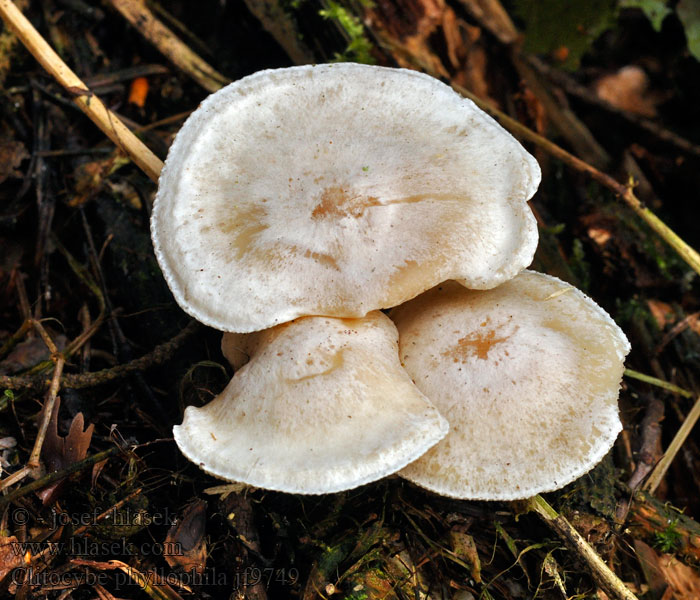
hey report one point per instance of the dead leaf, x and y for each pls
(10, 555)
(667, 576)
(453, 38)
(126, 192)
(649, 561)
(89, 177)
(662, 312)
(464, 547)
(599, 235)
(185, 542)
(691, 322)
(684, 581)
(12, 153)
(28, 353)
(60, 452)
(628, 90)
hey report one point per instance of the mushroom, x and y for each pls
(335, 190)
(322, 406)
(527, 374)
(237, 348)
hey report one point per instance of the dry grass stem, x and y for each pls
(17, 476)
(48, 411)
(624, 191)
(610, 582)
(662, 466)
(658, 383)
(92, 106)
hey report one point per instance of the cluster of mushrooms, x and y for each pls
(297, 203)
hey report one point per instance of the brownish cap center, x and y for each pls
(477, 344)
(338, 202)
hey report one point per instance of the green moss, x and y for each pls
(359, 48)
(669, 539)
(7, 397)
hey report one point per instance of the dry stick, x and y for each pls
(157, 356)
(662, 466)
(573, 87)
(82, 96)
(145, 159)
(57, 475)
(14, 339)
(610, 582)
(46, 338)
(23, 298)
(280, 25)
(491, 15)
(15, 477)
(33, 461)
(688, 254)
(111, 510)
(152, 166)
(490, 12)
(59, 360)
(146, 23)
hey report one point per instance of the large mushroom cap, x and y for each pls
(336, 190)
(527, 375)
(322, 406)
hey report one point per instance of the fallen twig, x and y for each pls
(662, 466)
(59, 361)
(157, 356)
(152, 166)
(624, 191)
(82, 96)
(50, 478)
(14, 339)
(610, 582)
(33, 461)
(574, 88)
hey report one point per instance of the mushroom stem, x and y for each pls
(90, 104)
(610, 582)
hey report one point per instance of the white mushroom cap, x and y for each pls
(528, 376)
(322, 406)
(336, 190)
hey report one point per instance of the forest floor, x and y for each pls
(95, 491)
